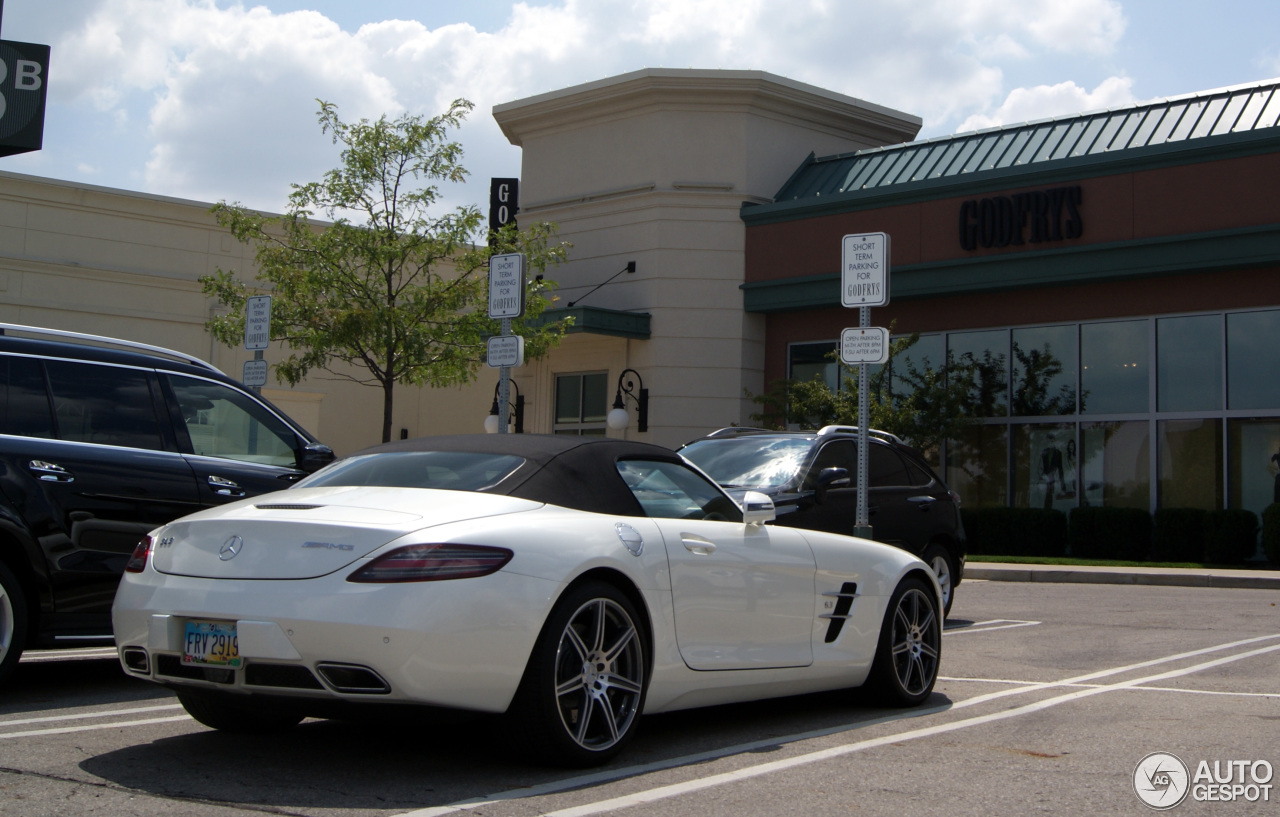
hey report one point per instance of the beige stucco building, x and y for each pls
(651, 167)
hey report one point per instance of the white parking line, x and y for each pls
(988, 626)
(69, 729)
(664, 792)
(77, 654)
(85, 715)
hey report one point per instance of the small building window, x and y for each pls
(582, 402)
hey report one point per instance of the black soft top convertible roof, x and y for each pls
(571, 471)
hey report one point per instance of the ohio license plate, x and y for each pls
(210, 644)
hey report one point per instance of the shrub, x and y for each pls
(1110, 533)
(1271, 532)
(1015, 531)
(1230, 537)
(1179, 535)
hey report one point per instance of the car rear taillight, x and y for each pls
(433, 563)
(138, 561)
(955, 498)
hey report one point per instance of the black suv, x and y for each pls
(812, 475)
(101, 441)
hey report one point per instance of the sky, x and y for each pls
(213, 100)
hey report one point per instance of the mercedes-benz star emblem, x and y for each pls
(230, 548)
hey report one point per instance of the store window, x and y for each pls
(1044, 371)
(1253, 449)
(1252, 341)
(1189, 363)
(1115, 464)
(809, 360)
(978, 466)
(988, 353)
(582, 401)
(1045, 466)
(1114, 367)
(1190, 464)
(928, 352)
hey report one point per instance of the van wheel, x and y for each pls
(13, 622)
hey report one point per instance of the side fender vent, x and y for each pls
(837, 617)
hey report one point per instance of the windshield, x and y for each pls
(448, 470)
(756, 463)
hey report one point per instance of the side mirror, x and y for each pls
(830, 478)
(314, 456)
(757, 508)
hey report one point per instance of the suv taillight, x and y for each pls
(955, 498)
(138, 561)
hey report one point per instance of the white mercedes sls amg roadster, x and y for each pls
(573, 583)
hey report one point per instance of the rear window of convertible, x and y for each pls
(447, 470)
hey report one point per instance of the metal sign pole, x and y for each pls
(504, 386)
(862, 526)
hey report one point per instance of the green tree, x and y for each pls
(388, 292)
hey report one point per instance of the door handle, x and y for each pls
(50, 471)
(697, 545)
(925, 500)
(225, 487)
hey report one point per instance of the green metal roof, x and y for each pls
(1032, 145)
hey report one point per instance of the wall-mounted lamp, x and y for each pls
(491, 422)
(617, 418)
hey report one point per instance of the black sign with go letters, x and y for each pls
(24, 83)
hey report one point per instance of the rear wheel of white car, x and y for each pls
(582, 693)
(13, 622)
(906, 662)
(937, 557)
(227, 714)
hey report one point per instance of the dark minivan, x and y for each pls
(101, 441)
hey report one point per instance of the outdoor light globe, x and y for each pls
(617, 419)
(491, 424)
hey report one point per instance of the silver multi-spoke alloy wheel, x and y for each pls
(915, 641)
(599, 675)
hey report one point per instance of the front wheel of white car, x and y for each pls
(906, 662)
(584, 687)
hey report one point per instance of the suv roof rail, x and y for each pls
(730, 431)
(80, 337)
(825, 430)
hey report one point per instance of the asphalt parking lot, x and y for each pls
(1052, 696)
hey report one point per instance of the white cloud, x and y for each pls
(1046, 101)
(227, 93)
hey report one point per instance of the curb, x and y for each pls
(1161, 576)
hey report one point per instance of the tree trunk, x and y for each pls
(388, 389)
